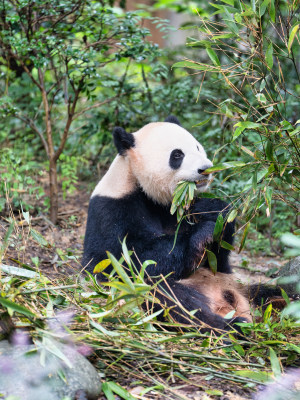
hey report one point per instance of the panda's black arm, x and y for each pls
(205, 209)
(177, 255)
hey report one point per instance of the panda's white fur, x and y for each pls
(147, 164)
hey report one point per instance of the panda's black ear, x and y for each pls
(173, 120)
(123, 140)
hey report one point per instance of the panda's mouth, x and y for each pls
(200, 183)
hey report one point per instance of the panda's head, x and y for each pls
(160, 155)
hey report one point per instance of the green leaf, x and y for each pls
(193, 65)
(120, 391)
(107, 391)
(272, 10)
(213, 56)
(16, 307)
(268, 197)
(226, 165)
(263, 7)
(241, 126)
(275, 363)
(232, 215)
(125, 252)
(267, 313)
(285, 296)
(218, 228)
(212, 261)
(39, 238)
(230, 2)
(261, 376)
(19, 271)
(203, 122)
(269, 56)
(120, 271)
(244, 236)
(226, 245)
(292, 36)
(269, 150)
(101, 266)
(214, 392)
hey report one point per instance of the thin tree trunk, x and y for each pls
(53, 190)
(51, 154)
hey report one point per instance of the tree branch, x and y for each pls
(71, 113)
(101, 103)
(32, 125)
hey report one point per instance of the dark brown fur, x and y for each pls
(223, 292)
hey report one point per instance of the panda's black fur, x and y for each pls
(150, 229)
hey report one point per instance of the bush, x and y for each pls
(250, 55)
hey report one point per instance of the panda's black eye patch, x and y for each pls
(198, 148)
(176, 158)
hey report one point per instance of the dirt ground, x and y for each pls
(69, 234)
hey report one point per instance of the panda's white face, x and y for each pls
(164, 154)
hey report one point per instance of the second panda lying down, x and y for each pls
(133, 199)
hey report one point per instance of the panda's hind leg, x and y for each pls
(188, 306)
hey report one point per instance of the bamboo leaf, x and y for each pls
(213, 56)
(16, 307)
(193, 65)
(107, 391)
(244, 236)
(120, 391)
(218, 227)
(226, 165)
(101, 266)
(260, 376)
(203, 122)
(275, 363)
(269, 150)
(232, 215)
(272, 10)
(263, 7)
(226, 245)
(268, 197)
(125, 252)
(39, 238)
(269, 56)
(292, 37)
(212, 261)
(120, 270)
(241, 126)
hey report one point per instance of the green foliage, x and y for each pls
(19, 180)
(68, 168)
(182, 198)
(256, 92)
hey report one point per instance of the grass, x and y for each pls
(133, 352)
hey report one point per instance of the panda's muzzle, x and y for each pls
(202, 182)
(204, 179)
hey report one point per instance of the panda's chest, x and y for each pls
(159, 219)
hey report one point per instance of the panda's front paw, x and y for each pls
(209, 209)
(201, 238)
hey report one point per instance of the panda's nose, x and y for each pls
(200, 171)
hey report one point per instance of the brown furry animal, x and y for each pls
(223, 292)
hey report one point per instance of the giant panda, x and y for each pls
(133, 200)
